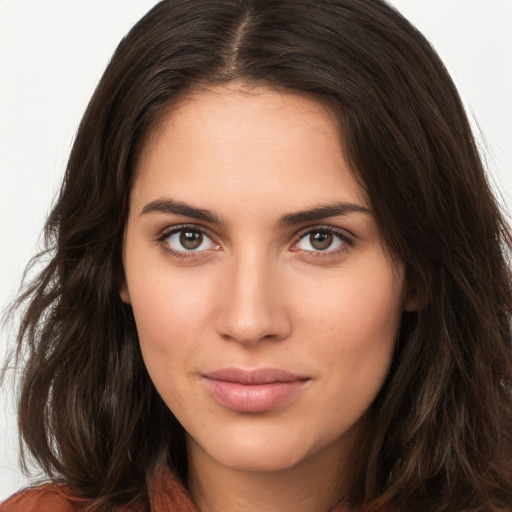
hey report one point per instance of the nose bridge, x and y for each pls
(251, 309)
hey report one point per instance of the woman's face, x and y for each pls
(266, 307)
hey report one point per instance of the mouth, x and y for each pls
(253, 391)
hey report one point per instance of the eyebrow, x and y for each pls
(322, 212)
(171, 206)
(180, 208)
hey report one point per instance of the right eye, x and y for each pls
(185, 240)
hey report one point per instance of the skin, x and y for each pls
(258, 293)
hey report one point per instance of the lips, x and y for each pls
(253, 391)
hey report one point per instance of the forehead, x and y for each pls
(231, 143)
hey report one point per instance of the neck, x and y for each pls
(313, 485)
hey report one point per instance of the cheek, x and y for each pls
(354, 323)
(169, 314)
(166, 302)
(167, 319)
(357, 309)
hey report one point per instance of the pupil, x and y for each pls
(191, 239)
(321, 240)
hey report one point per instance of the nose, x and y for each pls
(252, 306)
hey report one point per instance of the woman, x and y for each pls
(278, 278)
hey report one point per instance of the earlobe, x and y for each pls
(125, 294)
(412, 300)
(412, 303)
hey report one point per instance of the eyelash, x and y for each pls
(181, 255)
(346, 241)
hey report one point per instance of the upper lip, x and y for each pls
(253, 376)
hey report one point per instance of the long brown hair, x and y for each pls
(439, 435)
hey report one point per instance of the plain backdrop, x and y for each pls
(53, 53)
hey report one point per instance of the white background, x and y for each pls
(53, 52)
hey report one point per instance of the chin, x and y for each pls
(262, 460)
(260, 453)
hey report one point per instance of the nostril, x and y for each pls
(252, 323)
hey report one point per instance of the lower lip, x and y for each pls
(254, 397)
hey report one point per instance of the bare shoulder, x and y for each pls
(44, 498)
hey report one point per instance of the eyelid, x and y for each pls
(343, 234)
(168, 231)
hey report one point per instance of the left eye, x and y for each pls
(320, 240)
(189, 240)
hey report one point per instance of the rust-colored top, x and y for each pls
(167, 495)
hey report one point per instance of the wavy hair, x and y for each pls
(439, 435)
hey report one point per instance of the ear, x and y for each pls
(412, 301)
(124, 293)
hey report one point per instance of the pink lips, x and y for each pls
(253, 390)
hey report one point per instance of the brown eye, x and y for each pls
(188, 240)
(191, 240)
(321, 240)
